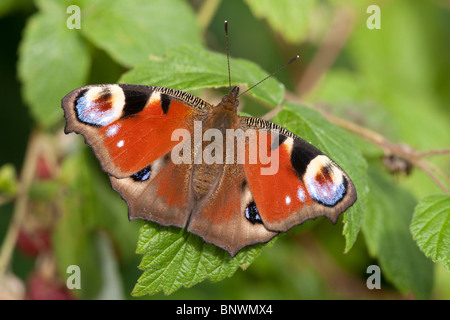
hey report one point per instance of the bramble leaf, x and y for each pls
(174, 258)
(386, 231)
(133, 33)
(431, 227)
(53, 60)
(189, 67)
(289, 17)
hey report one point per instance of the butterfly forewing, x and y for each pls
(305, 183)
(129, 126)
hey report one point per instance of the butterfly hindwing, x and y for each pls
(159, 192)
(228, 217)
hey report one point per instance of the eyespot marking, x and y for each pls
(142, 175)
(100, 106)
(325, 181)
(252, 213)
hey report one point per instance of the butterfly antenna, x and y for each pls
(228, 54)
(272, 74)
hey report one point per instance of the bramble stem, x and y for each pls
(28, 171)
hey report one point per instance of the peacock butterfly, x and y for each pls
(179, 161)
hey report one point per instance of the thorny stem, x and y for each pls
(404, 151)
(434, 152)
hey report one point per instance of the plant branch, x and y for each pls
(439, 172)
(206, 13)
(328, 51)
(433, 152)
(28, 171)
(402, 150)
(426, 167)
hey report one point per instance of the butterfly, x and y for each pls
(231, 204)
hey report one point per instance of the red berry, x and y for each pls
(31, 244)
(40, 288)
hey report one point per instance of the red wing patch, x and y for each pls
(129, 126)
(278, 195)
(306, 184)
(134, 142)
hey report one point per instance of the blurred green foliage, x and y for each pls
(392, 80)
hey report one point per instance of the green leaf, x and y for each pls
(189, 67)
(53, 60)
(174, 258)
(431, 227)
(386, 230)
(338, 145)
(133, 31)
(288, 17)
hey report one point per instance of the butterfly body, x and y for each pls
(177, 160)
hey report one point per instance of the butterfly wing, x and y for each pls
(159, 192)
(300, 183)
(226, 217)
(129, 126)
(130, 130)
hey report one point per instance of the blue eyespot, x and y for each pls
(142, 175)
(252, 214)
